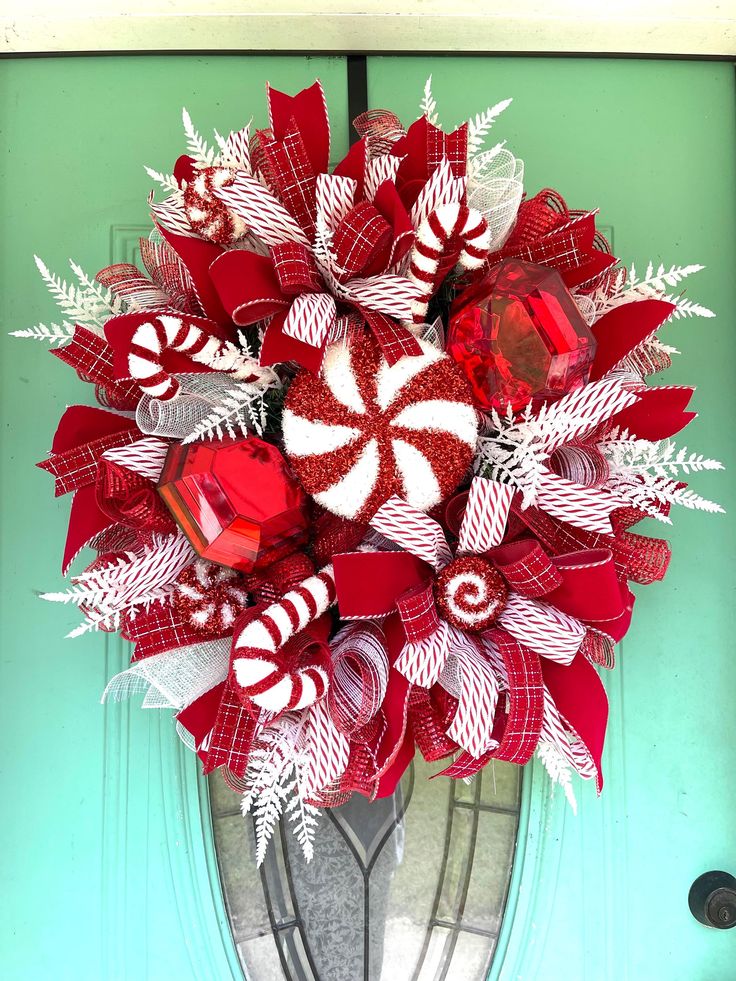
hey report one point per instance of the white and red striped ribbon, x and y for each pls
(422, 661)
(584, 409)
(485, 517)
(326, 749)
(310, 318)
(145, 456)
(472, 724)
(413, 530)
(542, 627)
(588, 508)
(359, 675)
(264, 215)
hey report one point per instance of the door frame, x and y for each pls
(664, 28)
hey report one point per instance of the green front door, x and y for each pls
(108, 867)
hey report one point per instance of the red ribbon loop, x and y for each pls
(527, 567)
(418, 612)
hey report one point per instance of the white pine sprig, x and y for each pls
(558, 770)
(647, 473)
(656, 282)
(428, 105)
(88, 304)
(127, 584)
(275, 776)
(167, 181)
(660, 278)
(242, 409)
(515, 449)
(59, 334)
(479, 125)
(197, 147)
(628, 454)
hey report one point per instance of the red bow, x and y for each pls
(580, 591)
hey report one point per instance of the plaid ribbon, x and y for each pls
(362, 241)
(396, 341)
(158, 628)
(418, 612)
(295, 269)
(232, 735)
(450, 146)
(533, 574)
(289, 172)
(526, 700)
(92, 359)
(77, 467)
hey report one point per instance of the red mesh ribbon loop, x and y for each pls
(430, 713)
(526, 700)
(380, 128)
(131, 499)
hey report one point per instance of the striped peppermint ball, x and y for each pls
(366, 430)
(470, 594)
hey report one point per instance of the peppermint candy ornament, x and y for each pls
(367, 430)
(210, 596)
(206, 213)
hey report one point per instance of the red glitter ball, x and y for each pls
(518, 335)
(236, 501)
(470, 593)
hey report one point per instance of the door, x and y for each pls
(109, 859)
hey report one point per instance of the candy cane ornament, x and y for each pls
(165, 332)
(452, 235)
(272, 682)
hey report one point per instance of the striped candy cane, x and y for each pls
(273, 682)
(180, 334)
(452, 235)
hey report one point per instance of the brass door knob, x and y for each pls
(712, 900)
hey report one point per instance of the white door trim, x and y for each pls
(699, 28)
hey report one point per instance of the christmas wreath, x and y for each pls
(370, 447)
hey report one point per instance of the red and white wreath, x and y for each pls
(368, 452)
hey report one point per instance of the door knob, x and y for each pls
(712, 900)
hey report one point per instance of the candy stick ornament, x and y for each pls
(452, 235)
(274, 682)
(165, 332)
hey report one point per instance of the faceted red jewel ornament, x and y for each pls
(236, 501)
(518, 335)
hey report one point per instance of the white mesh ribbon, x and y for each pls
(199, 397)
(173, 679)
(495, 187)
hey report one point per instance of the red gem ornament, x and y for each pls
(236, 501)
(518, 335)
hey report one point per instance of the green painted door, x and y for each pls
(107, 866)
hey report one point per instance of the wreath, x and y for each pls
(369, 450)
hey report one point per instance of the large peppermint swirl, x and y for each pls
(470, 594)
(367, 430)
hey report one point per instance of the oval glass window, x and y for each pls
(410, 888)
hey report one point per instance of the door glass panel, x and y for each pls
(411, 887)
